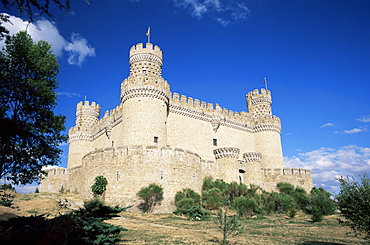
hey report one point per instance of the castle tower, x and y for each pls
(266, 127)
(145, 97)
(80, 136)
(252, 168)
(228, 165)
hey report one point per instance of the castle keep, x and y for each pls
(156, 136)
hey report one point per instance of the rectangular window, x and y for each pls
(155, 139)
(215, 142)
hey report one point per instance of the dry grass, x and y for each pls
(172, 229)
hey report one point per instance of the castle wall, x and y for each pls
(194, 125)
(128, 169)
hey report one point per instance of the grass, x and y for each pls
(171, 229)
(148, 228)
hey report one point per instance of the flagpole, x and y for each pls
(148, 34)
(265, 82)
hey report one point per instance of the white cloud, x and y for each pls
(327, 164)
(327, 125)
(69, 94)
(355, 130)
(78, 48)
(364, 119)
(224, 11)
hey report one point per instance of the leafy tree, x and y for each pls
(320, 204)
(354, 204)
(33, 133)
(245, 206)
(100, 185)
(151, 197)
(229, 225)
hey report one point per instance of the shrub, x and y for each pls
(245, 206)
(354, 204)
(321, 200)
(83, 226)
(195, 212)
(187, 198)
(286, 188)
(234, 190)
(100, 186)
(212, 199)
(151, 197)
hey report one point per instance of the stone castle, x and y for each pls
(156, 136)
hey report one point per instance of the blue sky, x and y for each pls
(315, 55)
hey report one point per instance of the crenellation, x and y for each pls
(158, 136)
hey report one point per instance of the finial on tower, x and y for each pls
(148, 34)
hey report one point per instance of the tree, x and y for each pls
(151, 197)
(31, 8)
(228, 225)
(30, 133)
(100, 185)
(354, 204)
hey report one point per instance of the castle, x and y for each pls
(156, 136)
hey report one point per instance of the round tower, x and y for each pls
(80, 136)
(266, 128)
(145, 98)
(252, 173)
(228, 165)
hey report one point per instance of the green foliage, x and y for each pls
(194, 212)
(354, 204)
(286, 188)
(29, 6)
(187, 198)
(83, 226)
(151, 197)
(6, 195)
(245, 206)
(99, 186)
(33, 133)
(228, 225)
(212, 199)
(234, 190)
(320, 204)
(37, 190)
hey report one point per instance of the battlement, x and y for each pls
(252, 157)
(150, 48)
(226, 152)
(286, 171)
(130, 150)
(86, 108)
(196, 104)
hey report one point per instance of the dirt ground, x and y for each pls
(172, 229)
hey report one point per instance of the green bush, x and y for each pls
(245, 206)
(354, 204)
(83, 226)
(151, 196)
(212, 199)
(100, 186)
(187, 198)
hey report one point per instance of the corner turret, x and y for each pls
(259, 103)
(87, 114)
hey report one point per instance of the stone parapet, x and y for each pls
(252, 157)
(145, 91)
(226, 152)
